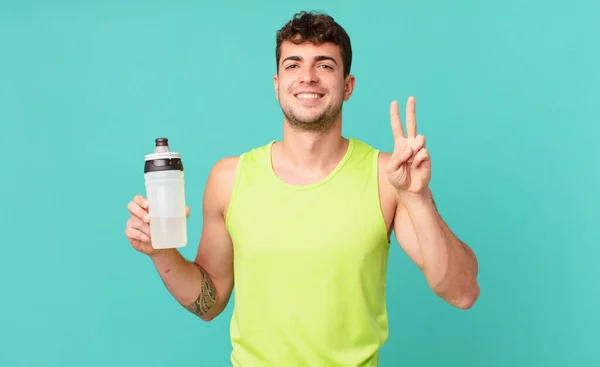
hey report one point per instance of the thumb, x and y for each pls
(187, 211)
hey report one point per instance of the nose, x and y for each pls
(309, 76)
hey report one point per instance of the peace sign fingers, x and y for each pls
(395, 121)
(409, 166)
(411, 120)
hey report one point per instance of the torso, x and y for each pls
(326, 245)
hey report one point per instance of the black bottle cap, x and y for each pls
(163, 164)
(162, 159)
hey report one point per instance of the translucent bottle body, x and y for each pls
(165, 192)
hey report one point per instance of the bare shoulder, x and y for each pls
(219, 185)
(383, 159)
(224, 169)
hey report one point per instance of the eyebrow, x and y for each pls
(317, 58)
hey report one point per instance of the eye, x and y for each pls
(326, 66)
(291, 66)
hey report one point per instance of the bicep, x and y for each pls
(215, 253)
(406, 236)
(397, 217)
(215, 250)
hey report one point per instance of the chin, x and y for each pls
(311, 122)
(308, 118)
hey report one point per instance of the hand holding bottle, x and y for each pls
(137, 230)
(158, 221)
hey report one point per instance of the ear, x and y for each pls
(276, 86)
(349, 86)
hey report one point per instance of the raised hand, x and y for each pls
(409, 167)
(137, 230)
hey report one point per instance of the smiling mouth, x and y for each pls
(309, 96)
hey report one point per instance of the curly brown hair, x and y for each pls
(316, 28)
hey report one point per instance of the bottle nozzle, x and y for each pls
(162, 145)
(162, 142)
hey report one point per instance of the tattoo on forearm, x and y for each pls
(207, 297)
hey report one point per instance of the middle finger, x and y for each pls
(137, 223)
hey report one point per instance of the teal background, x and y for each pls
(507, 96)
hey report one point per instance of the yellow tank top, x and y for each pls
(310, 264)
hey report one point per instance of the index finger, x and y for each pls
(395, 121)
(411, 119)
(141, 201)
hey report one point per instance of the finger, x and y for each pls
(138, 224)
(398, 159)
(187, 211)
(134, 234)
(421, 156)
(395, 121)
(417, 143)
(137, 211)
(141, 201)
(411, 120)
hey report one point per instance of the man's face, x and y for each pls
(310, 85)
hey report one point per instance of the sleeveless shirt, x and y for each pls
(309, 264)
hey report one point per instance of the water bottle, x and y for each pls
(165, 192)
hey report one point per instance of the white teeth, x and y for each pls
(308, 96)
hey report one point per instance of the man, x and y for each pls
(303, 224)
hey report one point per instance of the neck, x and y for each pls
(311, 151)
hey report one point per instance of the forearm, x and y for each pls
(188, 283)
(448, 264)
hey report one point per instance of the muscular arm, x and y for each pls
(204, 286)
(449, 265)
